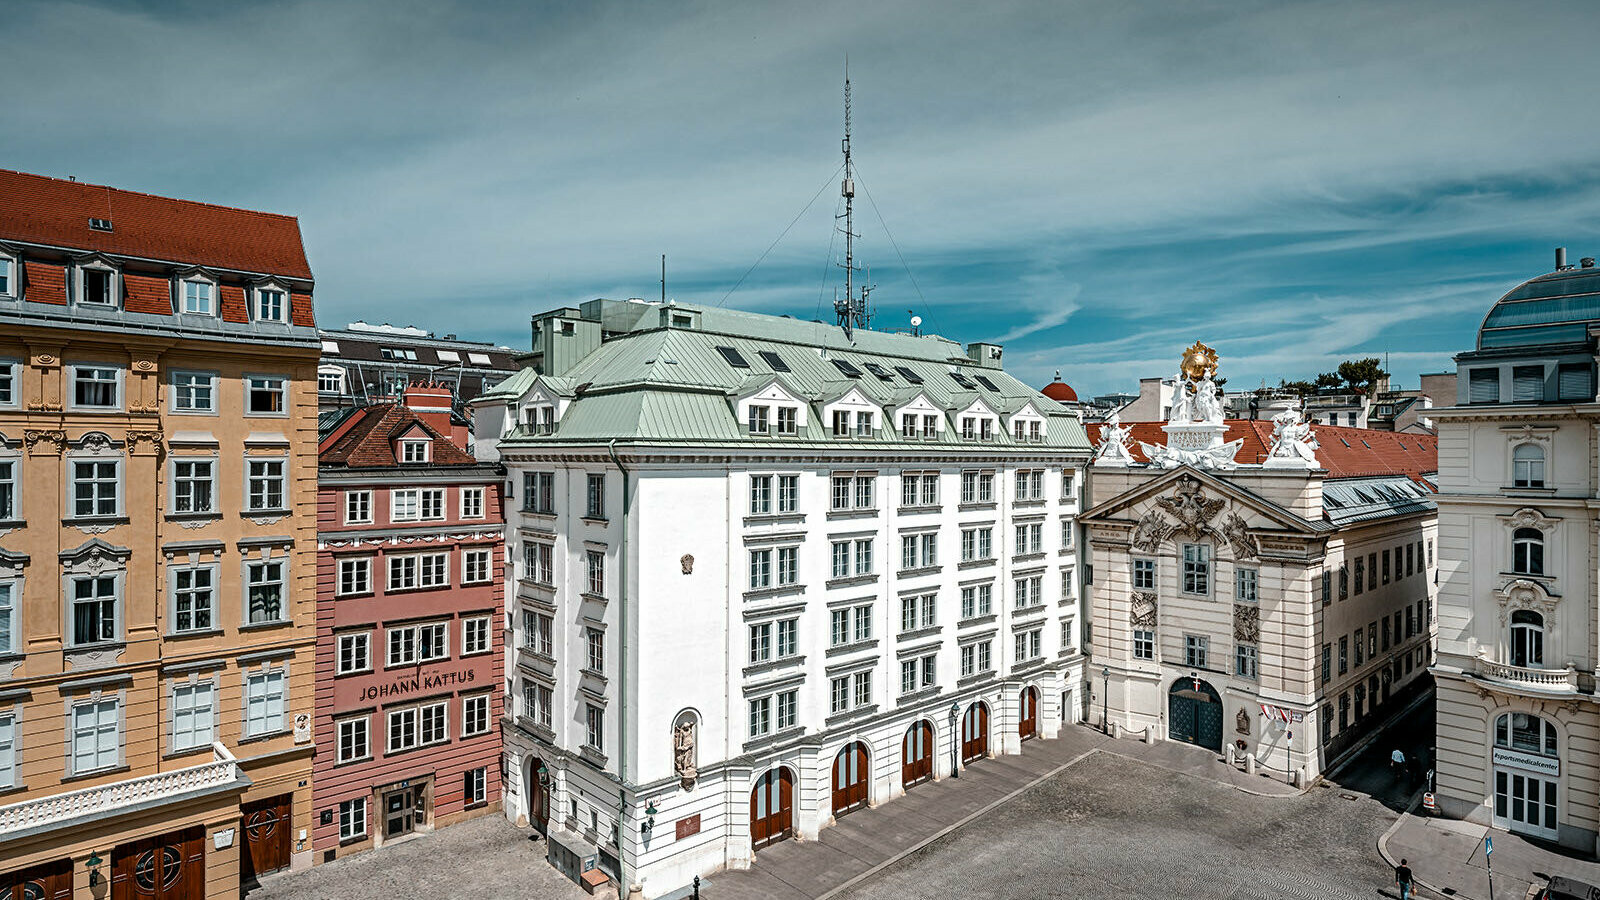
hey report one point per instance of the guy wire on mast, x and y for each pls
(852, 310)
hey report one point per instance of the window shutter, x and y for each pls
(1484, 386)
(1527, 383)
(1574, 383)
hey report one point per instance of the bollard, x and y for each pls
(697, 887)
(1249, 763)
(1116, 730)
(636, 892)
(1150, 734)
(1227, 755)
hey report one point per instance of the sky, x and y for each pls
(1094, 185)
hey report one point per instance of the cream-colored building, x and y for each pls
(157, 544)
(1518, 487)
(1261, 589)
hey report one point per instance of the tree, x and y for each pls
(1362, 375)
(1328, 381)
(1301, 388)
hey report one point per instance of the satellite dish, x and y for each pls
(916, 321)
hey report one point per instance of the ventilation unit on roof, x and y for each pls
(908, 375)
(847, 367)
(733, 357)
(984, 380)
(99, 224)
(774, 360)
(879, 371)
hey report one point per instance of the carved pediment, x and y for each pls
(93, 557)
(1192, 508)
(1525, 593)
(1529, 517)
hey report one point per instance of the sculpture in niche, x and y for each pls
(1142, 610)
(1153, 529)
(1193, 509)
(683, 747)
(1242, 722)
(1239, 538)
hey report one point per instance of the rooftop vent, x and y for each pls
(1587, 262)
(99, 224)
(1561, 259)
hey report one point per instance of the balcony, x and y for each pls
(78, 807)
(1540, 681)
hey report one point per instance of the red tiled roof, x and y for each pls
(233, 308)
(300, 311)
(50, 211)
(44, 283)
(369, 442)
(1345, 452)
(147, 294)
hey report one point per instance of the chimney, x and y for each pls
(1561, 259)
(431, 403)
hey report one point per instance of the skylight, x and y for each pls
(479, 359)
(775, 361)
(879, 371)
(908, 375)
(330, 346)
(847, 367)
(733, 357)
(984, 380)
(448, 356)
(962, 380)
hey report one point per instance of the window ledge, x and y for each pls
(918, 695)
(539, 513)
(785, 590)
(976, 563)
(194, 633)
(853, 647)
(590, 595)
(265, 736)
(975, 621)
(96, 773)
(78, 521)
(1528, 491)
(1030, 503)
(258, 626)
(922, 570)
(783, 518)
(1034, 609)
(923, 632)
(282, 511)
(8, 524)
(976, 504)
(1028, 665)
(592, 755)
(837, 514)
(851, 581)
(852, 714)
(362, 595)
(919, 508)
(1027, 557)
(975, 678)
(595, 520)
(767, 741)
(209, 515)
(773, 664)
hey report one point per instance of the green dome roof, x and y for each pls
(1552, 309)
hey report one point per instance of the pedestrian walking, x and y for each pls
(1402, 878)
(1397, 763)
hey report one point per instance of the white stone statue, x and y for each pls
(1207, 406)
(683, 751)
(1195, 429)
(1293, 444)
(1182, 407)
(1114, 441)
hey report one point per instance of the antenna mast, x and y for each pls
(852, 310)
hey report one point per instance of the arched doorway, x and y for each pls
(850, 779)
(772, 808)
(975, 733)
(538, 796)
(1028, 714)
(1194, 714)
(916, 755)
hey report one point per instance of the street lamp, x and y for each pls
(1105, 698)
(93, 862)
(955, 740)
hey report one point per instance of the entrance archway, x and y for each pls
(1194, 714)
(916, 755)
(850, 770)
(538, 796)
(1028, 714)
(975, 732)
(772, 808)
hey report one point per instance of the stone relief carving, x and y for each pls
(1142, 610)
(1528, 517)
(1528, 434)
(683, 750)
(1247, 623)
(1239, 537)
(1522, 593)
(1241, 722)
(45, 441)
(1152, 531)
(1192, 508)
(686, 561)
(95, 443)
(267, 520)
(98, 658)
(144, 440)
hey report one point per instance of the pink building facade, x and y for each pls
(410, 636)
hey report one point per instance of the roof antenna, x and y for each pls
(852, 310)
(663, 278)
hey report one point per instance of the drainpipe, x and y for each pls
(622, 673)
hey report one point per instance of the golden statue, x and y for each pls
(1199, 361)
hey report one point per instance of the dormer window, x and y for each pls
(788, 420)
(864, 424)
(930, 427)
(841, 423)
(986, 429)
(1035, 431)
(969, 427)
(199, 298)
(95, 286)
(271, 305)
(759, 422)
(412, 451)
(908, 426)
(8, 276)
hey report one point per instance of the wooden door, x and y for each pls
(538, 799)
(975, 733)
(916, 755)
(266, 824)
(772, 808)
(850, 779)
(170, 867)
(51, 881)
(1028, 721)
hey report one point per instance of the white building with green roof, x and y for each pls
(768, 573)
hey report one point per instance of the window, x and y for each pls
(976, 658)
(596, 496)
(1529, 733)
(915, 674)
(1066, 534)
(414, 504)
(413, 452)
(908, 425)
(355, 653)
(841, 423)
(1372, 571)
(1027, 591)
(1527, 551)
(357, 507)
(270, 306)
(10, 636)
(1194, 650)
(841, 559)
(433, 570)
(96, 387)
(1144, 574)
(1196, 569)
(474, 789)
(1028, 645)
(1361, 645)
(1361, 571)
(537, 631)
(194, 392)
(760, 569)
(1029, 538)
(1573, 380)
(265, 485)
(537, 701)
(760, 495)
(1527, 466)
(1527, 384)
(435, 723)
(411, 644)
(1144, 644)
(1029, 485)
(1527, 639)
(595, 641)
(355, 576)
(1344, 582)
(94, 610)
(788, 493)
(354, 740)
(788, 421)
(8, 376)
(1247, 585)
(1245, 661)
(788, 703)
(96, 735)
(1327, 663)
(264, 703)
(265, 395)
(1327, 588)
(474, 635)
(193, 600)
(977, 487)
(1344, 655)
(96, 489)
(8, 283)
(595, 731)
(538, 562)
(977, 600)
(1483, 386)
(330, 380)
(264, 592)
(919, 551)
(475, 715)
(352, 819)
(193, 715)
(192, 486)
(197, 298)
(919, 489)
(758, 419)
(788, 637)
(918, 611)
(1385, 558)
(538, 492)
(760, 716)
